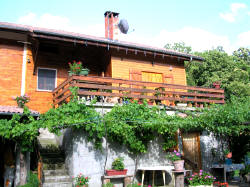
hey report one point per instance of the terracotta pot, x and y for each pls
(112, 172)
(179, 165)
(229, 155)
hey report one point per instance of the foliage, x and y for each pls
(22, 129)
(180, 47)
(77, 116)
(32, 181)
(118, 164)
(174, 156)
(22, 100)
(109, 184)
(75, 67)
(137, 185)
(243, 53)
(81, 180)
(226, 152)
(201, 178)
(233, 73)
(135, 125)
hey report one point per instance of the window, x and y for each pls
(46, 79)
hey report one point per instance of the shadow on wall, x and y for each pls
(209, 145)
(82, 157)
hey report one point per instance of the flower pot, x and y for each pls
(229, 155)
(178, 165)
(70, 73)
(84, 72)
(211, 185)
(112, 172)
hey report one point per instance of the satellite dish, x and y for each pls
(123, 26)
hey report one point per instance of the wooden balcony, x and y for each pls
(121, 89)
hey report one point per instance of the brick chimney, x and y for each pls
(111, 25)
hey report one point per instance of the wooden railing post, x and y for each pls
(196, 104)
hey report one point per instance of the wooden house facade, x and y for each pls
(34, 61)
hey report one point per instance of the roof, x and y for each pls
(39, 32)
(10, 110)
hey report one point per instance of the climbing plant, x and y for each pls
(23, 129)
(132, 125)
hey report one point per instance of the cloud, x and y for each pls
(60, 23)
(243, 39)
(234, 11)
(199, 39)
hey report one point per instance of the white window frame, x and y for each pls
(38, 77)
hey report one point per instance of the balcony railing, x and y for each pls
(136, 90)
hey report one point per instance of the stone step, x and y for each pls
(53, 160)
(52, 154)
(55, 172)
(57, 178)
(53, 166)
(60, 184)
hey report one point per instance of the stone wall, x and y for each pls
(81, 157)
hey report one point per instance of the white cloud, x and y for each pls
(60, 23)
(234, 11)
(243, 39)
(198, 39)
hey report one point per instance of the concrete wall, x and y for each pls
(81, 157)
(207, 142)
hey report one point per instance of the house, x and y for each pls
(34, 61)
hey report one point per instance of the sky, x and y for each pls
(201, 24)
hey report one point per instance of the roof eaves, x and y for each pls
(93, 39)
(117, 43)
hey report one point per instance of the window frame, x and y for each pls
(42, 90)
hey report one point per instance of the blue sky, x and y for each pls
(201, 24)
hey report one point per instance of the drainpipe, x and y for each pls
(24, 68)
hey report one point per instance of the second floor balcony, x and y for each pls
(113, 90)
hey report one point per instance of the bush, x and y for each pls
(118, 164)
(32, 181)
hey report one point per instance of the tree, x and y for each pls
(233, 72)
(180, 47)
(243, 53)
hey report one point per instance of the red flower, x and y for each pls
(79, 62)
(139, 184)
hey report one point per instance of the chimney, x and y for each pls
(111, 25)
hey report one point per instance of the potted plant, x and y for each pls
(201, 179)
(159, 93)
(189, 104)
(227, 153)
(81, 180)
(175, 157)
(77, 69)
(216, 84)
(117, 167)
(22, 100)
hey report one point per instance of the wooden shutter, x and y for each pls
(168, 79)
(135, 75)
